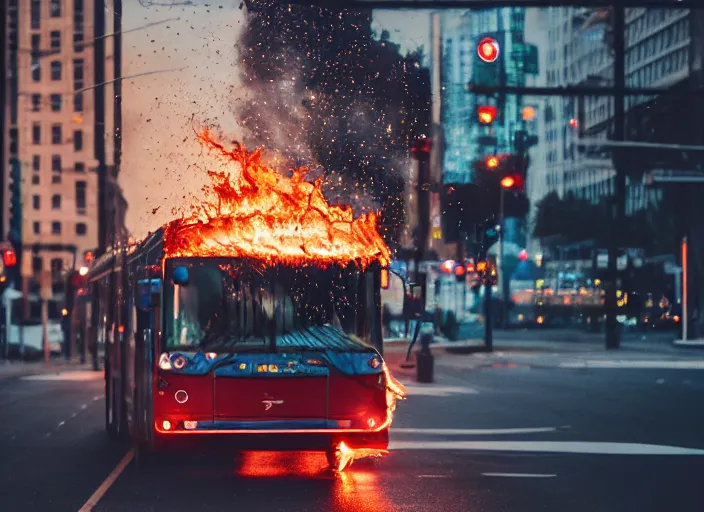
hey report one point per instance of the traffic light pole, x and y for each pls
(613, 333)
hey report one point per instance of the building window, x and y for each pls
(81, 229)
(36, 133)
(55, 228)
(56, 134)
(56, 70)
(37, 264)
(55, 40)
(36, 227)
(78, 74)
(77, 140)
(14, 142)
(36, 162)
(36, 102)
(78, 42)
(79, 167)
(35, 179)
(56, 103)
(56, 163)
(78, 102)
(57, 264)
(36, 69)
(80, 195)
(36, 203)
(36, 14)
(55, 8)
(56, 202)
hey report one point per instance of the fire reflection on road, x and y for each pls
(355, 490)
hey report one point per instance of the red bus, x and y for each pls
(219, 349)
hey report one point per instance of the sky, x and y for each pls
(163, 164)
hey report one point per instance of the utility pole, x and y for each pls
(3, 109)
(117, 88)
(99, 147)
(613, 333)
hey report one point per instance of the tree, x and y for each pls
(323, 91)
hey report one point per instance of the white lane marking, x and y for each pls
(519, 475)
(435, 390)
(656, 365)
(67, 376)
(433, 476)
(100, 491)
(472, 431)
(594, 448)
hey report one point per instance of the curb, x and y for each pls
(39, 369)
(689, 343)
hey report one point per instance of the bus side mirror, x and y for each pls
(180, 276)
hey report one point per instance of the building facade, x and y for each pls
(578, 52)
(51, 127)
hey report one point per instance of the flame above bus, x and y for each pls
(252, 211)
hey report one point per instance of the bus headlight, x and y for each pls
(164, 362)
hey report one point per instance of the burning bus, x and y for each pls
(253, 318)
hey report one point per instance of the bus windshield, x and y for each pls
(232, 303)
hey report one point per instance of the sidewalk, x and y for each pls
(16, 369)
(558, 341)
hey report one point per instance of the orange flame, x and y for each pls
(254, 212)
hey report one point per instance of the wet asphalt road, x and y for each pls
(55, 454)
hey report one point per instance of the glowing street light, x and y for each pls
(83, 271)
(492, 162)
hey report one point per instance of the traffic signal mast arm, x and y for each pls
(576, 90)
(495, 4)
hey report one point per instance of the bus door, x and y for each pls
(146, 311)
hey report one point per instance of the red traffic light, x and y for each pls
(421, 146)
(486, 114)
(488, 49)
(513, 181)
(77, 280)
(492, 162)
(459, 270)
(9, 258)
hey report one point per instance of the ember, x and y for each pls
(251, 211)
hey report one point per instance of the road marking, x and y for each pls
(67, 376)
(472, 431)
(519, 475)
(100, 491)
(435, 390)
(547, 447)
(656, 365)
(433, 476)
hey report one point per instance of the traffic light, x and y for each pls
(15, 235)
(512, 182)
(421, 149)
(488, 49)
(486, 114)
(487, 68)
(461, 208)
(523, 141)
(460, 273)
(492, 162)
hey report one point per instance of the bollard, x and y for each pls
(425, 360)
